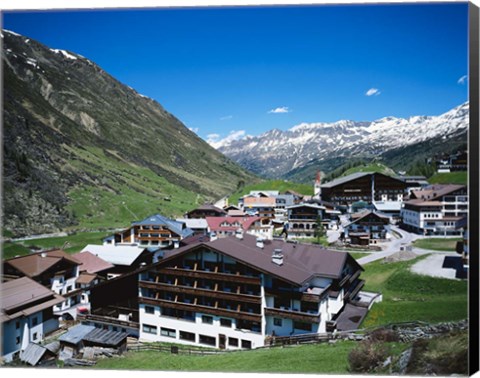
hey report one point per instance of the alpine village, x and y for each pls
(131, 243)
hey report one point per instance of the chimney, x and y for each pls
(176, 244)
(260, 243)
(213, 236)
(239, 234)
(277, 256)
(43, 254)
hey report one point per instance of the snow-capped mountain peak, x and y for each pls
(276, 152)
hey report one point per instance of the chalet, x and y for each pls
(228, 226)
(156, 231)
(303, 219)
(206, 211)
(452, 163)
(259, 203)
(367, 228)
(54, 269)
(92, 264)
(235, 292)
(236, 213)
(124, 258)
(26, 314)
(436, 210)
(93, 270)
(199, 226)
(363, 186)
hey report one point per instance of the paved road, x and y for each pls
(400, 239)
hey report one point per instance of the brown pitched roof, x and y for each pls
(23, 297)
(85, 278)
(36, 263)
(300, 261)
(92, 263)
(433, 192)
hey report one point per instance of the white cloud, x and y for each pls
(282, 109)
(194, 129)
(463, 79)
(215, 141)
(372, 92)
(226, 118)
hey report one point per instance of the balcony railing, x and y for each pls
(293, 314)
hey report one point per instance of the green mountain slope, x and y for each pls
(83, 150)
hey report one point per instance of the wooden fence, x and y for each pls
(174, 349)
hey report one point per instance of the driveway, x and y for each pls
(432, 266)
(401, 240)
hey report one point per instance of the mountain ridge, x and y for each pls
(294, 148)
(73, 131)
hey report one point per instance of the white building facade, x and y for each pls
(237, 293)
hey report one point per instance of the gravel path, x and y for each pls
(432, 266)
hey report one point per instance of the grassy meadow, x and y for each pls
(460, 178)
(409, 297)
(437, 244)
(306, 359)
(75, 243)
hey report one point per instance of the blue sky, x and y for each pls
(248, 70)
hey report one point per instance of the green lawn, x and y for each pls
(373, 167)
(10, 250)
(460, 178)
(75, 244)
(409, 297)
(319, 358)
(437, 244)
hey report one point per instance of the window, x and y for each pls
(246, 344)
(149, 310)
(34, 321)
(187, 336)
(302, 326)
(17, 324)
(207, 319)
(277, 322)
(207, 340)
(35, 336)
(17, 340)
(233, 341)
(225, 322)
(168, 332)
(147, 328)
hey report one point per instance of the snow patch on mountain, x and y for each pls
(276, 152)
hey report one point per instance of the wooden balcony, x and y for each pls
(294, 315)
(305, 297)
(107, 320)
(201, 308)
(352, 293)
(226, 277)
(189, 290)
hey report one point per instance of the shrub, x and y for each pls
(367, 356)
